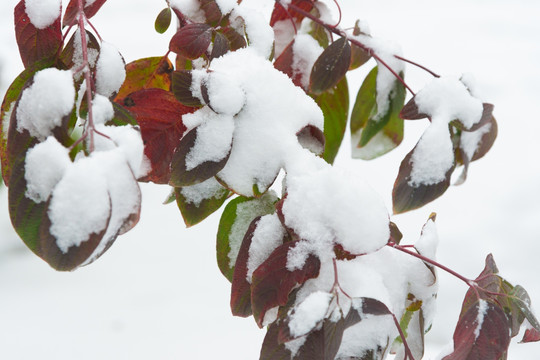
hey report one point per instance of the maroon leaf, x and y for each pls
(241, 288)
(411, 112)
(191, 40)
(281, 13)
(407, 196)
(221, 45)
(331, 66)
(284, 63)
(531, 335)
(311, 138)
(271, 348)
(236, 40)
(36, 45)
(481, 333)
(272, 282)
(211, 11)
(72, 11)
(181, 88)
(180, 175)
(159, 115)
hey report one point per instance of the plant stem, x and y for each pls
(417, 65)
(84, 45)
(408, 351)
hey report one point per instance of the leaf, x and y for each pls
(488, 280)
(147, 73)
(195, 211)
(211, 11)
(220, 46)
(180, 175)
(335, 107)
(406, 196)
(181, 88)
(284, 63)
(121, 116)
(374, 134)
(236, 40)
(481, 333)
(159, 115)
(191, 40)
(272, 282)
(163, 20)
(36, 45)
(531, 335)
(520, 298)
(240, 287)
(311, 138)
(330, 67)
(72, 11)
(233, 225)
(280, 13)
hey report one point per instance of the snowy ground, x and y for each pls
(157, 293)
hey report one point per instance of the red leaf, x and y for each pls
(272, 282)
(221, 46)
(311, 138)
(235, 39)
(284, 63)
(35, 44)
(280, 13)
(241, 288)
(531, 335)
(191, 40)
(159, 115)
(72, 11)
(481, 333)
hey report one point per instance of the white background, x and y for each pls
(158, 294)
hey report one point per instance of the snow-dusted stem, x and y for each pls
(89, 131)
(343, 34)
(408, 352)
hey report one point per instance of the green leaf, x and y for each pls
(163, 20)
(520, 298)
(234, 223)
(373, 133)
(330, 67)
(197, 202)
(147, 73)
(335, 107)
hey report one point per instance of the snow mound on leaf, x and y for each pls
(309, 313)
(328, 207)
(43, 13)
(45, 165)
(44, 104)
(110, 70)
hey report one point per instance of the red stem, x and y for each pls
(417, 65)
(408, 351)
(90, 124)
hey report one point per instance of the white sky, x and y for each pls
(157, 293)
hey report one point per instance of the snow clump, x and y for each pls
(43, 13)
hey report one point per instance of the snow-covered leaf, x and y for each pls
(272, 282)
(284, 63)
(72, 53)
(163, 20)
(233, 225)
(191, 40)
(153, 72)
(181, 88)
(408, 196)
(36, 45)
(330, 67)
(311, 138)
(282, 13)
(91, 7)
(159, 115)
(199, 201)
(335, 107)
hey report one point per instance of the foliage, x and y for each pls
(233, 103)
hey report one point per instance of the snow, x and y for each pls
(102, 109)
(88, 3)
(259, 33)
(53, 90)
(75, 214)
(309, 313)
(225, 94)
(43, 13)
(268, 235)
(470, 141)
(78, 59)
(306, 51)
(323, 208)
(189, 8)
(110, 70)
(428, 241)
(208, 189)
(213, 141)
(449, 98)
(482, 310)
(44, 167)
